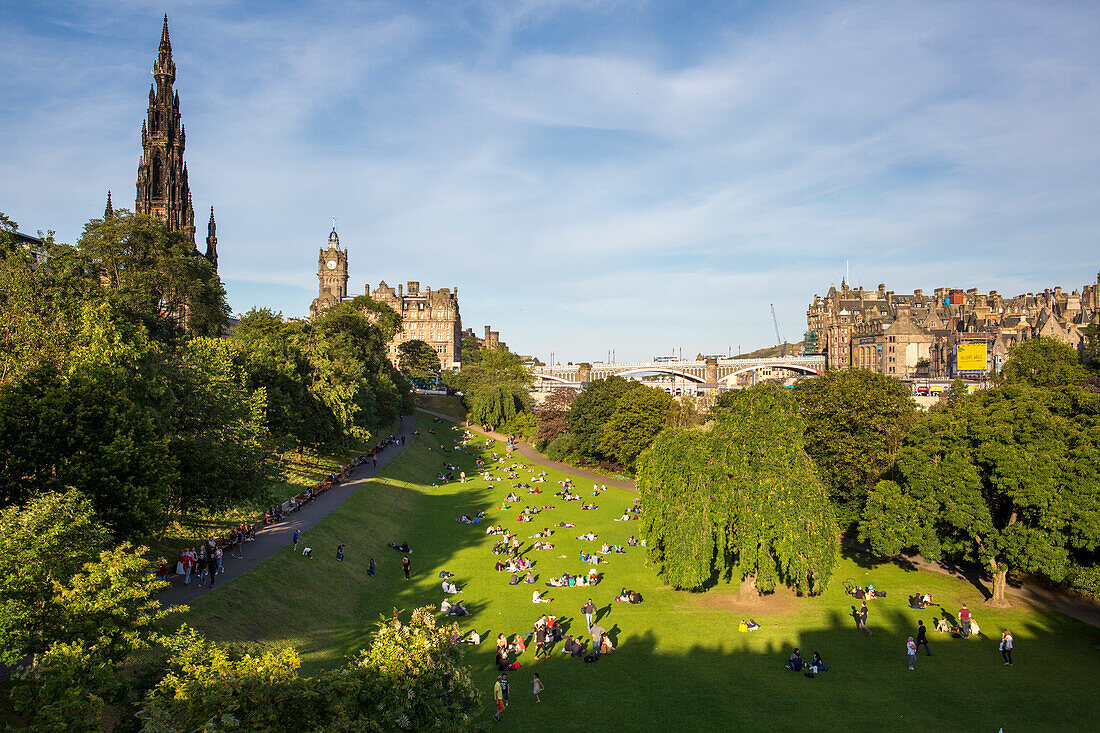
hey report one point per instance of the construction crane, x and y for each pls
(778, 337)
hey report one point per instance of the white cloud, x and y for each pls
(589, 192)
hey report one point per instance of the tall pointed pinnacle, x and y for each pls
(110, 210)
(212, 241)
(164, 69)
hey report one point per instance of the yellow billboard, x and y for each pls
(970, 358)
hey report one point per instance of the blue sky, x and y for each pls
(591, 175)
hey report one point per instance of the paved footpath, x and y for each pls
(1074, 606)
(273, 537)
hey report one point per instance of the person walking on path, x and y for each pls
(862, 618)
(922, 637)
(498, 695)
(911, 648)
(964, 621)
(297, 536)
(1006, 647)
(538, 687)
(370, 568)
(406, 565)
(589, 611)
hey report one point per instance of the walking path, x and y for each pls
(1074, 606)
(273, 537)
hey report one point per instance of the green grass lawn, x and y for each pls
(680, 660)
(443, 404)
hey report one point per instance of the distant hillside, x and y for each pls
(771, 351)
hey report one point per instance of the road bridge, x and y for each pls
(703, 373)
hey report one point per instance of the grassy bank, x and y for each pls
(443, 404)
(680, 660)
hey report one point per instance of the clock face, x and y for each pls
(332, 264)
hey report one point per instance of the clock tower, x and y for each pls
(332, 275)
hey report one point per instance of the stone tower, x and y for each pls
(332, 274)
(162, 189)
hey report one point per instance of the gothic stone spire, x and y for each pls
(110, 210)
(212, 241)
(162, 189)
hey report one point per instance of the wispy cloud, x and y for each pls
(592, 175)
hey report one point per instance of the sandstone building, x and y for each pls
(918, 335)
(428, 315)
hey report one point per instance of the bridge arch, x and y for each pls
(791, 367)
(661, 370)
(553, 378)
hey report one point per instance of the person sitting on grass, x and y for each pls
(941, 625)
(794, 662)
(818, 663)
(753, 626)
(743, 627)
(519, 646)
(536, 597)
(514, 580)
(624, 595)
(450, 588)
(632, 542)
(474, 638)
(529, 578)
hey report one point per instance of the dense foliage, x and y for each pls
(417, 360)
(495, 388)
(855, 422)
(116, 380)
(739, 497)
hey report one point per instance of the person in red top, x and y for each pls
(964, 621)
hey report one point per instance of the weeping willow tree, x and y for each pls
(738, 497)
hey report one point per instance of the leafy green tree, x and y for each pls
(855, 422)
(553, 416)
(639, 415)
(495, 388)
(350, 371)
(153, 275)
(471, 350)
(592, 409)
(417, 360)
(1090, 348)
(1044, 362)
(275, 361)
(409, 678)
(42, 544)
(221, 448)
(684, 412)
(99, 426)
(1008, 478)
(386, 319)
(739, 497)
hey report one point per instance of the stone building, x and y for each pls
(332, 275)
(490, 341)
(917, 335)
(162, 187)
(429, 315)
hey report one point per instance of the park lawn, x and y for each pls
(443, 404)
(680, 660)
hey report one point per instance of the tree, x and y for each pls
(1044, 362)
(386, 319)
(494, 388)
(153, 275)
(221, 448)
(553, 416)
(43, 543)
(275, 361)
(418, 361)
(738, 496)
(591, 411)
(639, 415)
(1090, 347)
(1008, 478)
(409, 678)
(855, 422)
(99, 425)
